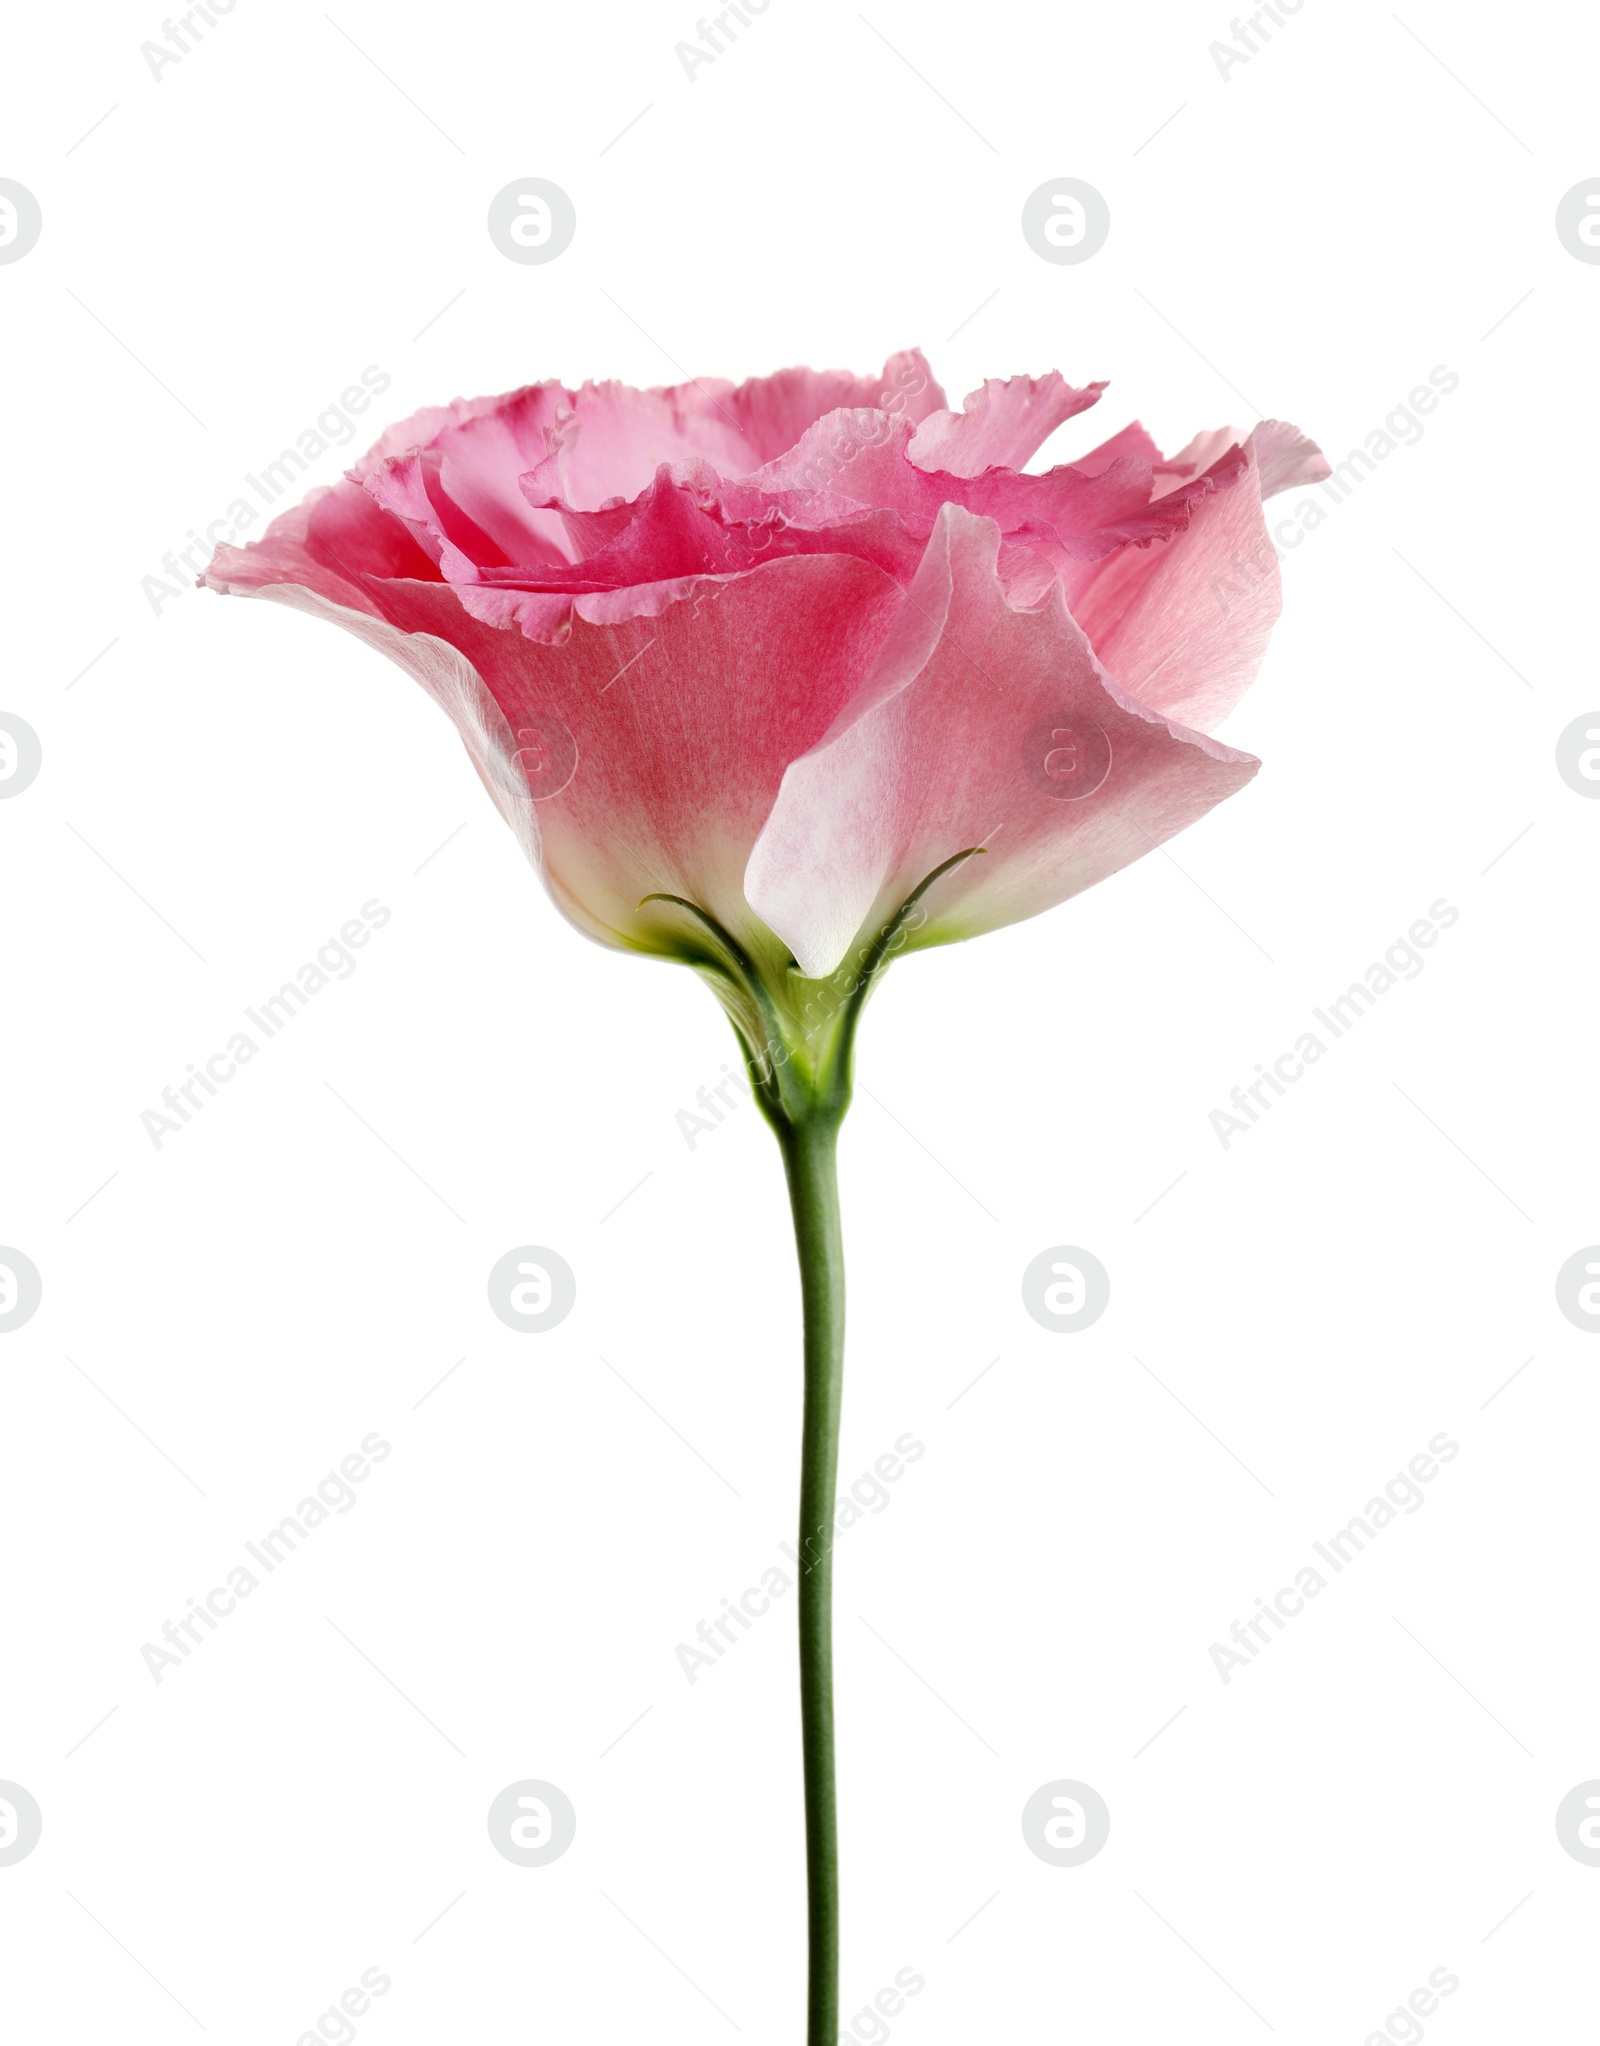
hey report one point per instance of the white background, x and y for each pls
(1299, 1848)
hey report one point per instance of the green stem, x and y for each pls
(810, 1161)
(804, 1098)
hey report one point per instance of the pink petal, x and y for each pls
(481, 459)
(670, 537)
(1184, 626)
(411, 489)
(618, 437)
(774, 411)
(1000, 426)
(1284, 456)
(1197, 457)
(330, 543)
(944, 746)
(853, 460)
(424, 427)
(1132, 440)
(1287, 459)
(676, 728)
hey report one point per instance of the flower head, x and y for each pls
(743, 665)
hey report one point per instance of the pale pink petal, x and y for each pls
(1285, 458)
(949, 743)
(853, 460)
(584, 532)
(1000, 426)
(1132, 440)
(1183, 626)
(618, 436)
(424, 427)
(1197, 457)
(481, 459)
(774, 411)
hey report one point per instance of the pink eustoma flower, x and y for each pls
(781, 648)
(785, 677)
